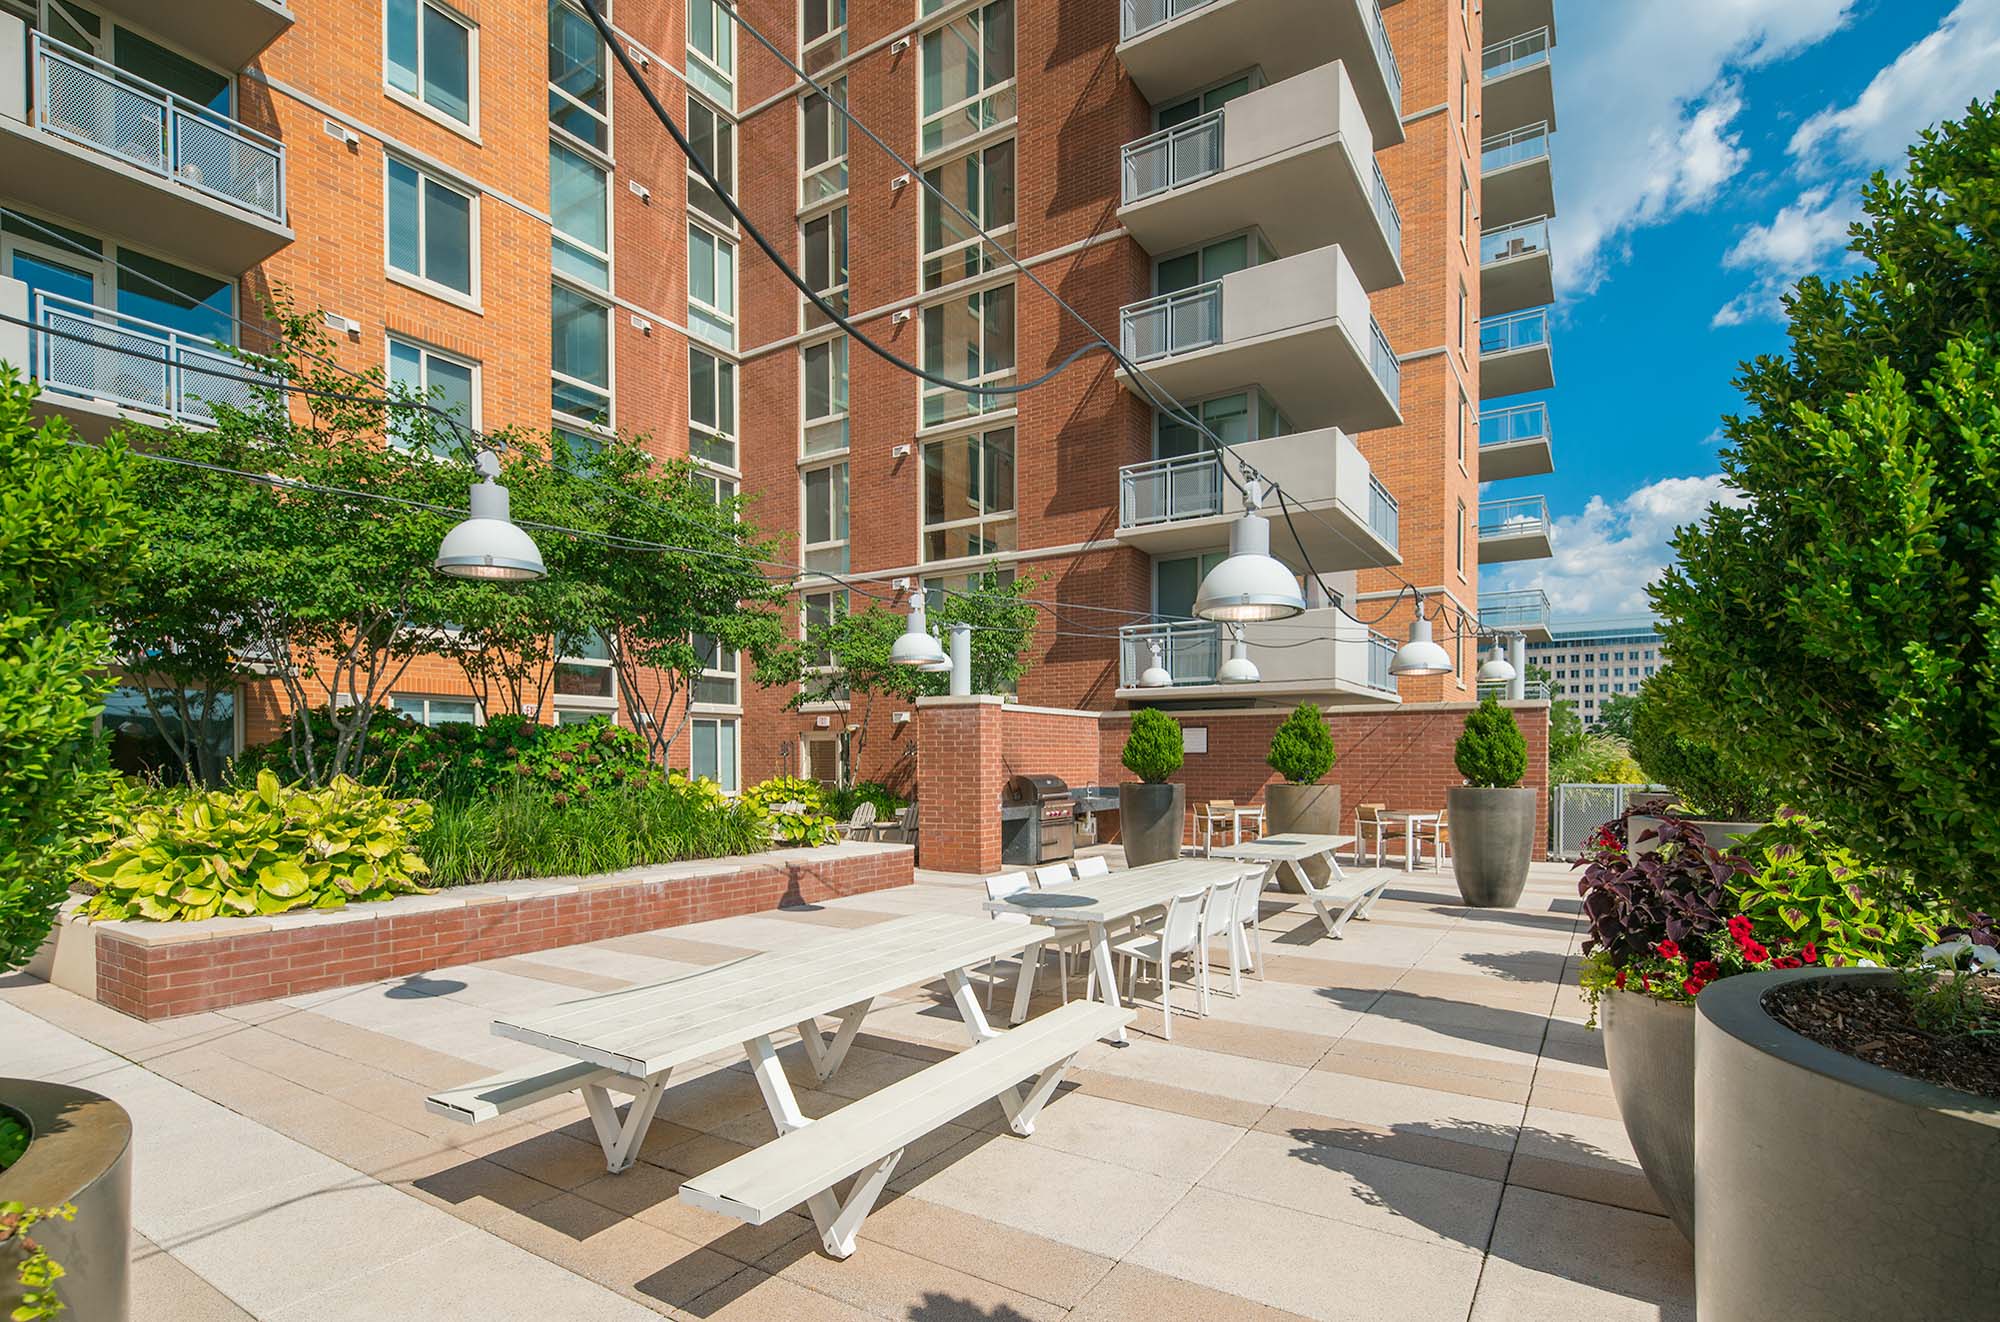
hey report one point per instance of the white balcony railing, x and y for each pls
(1191, 651)
(1516, 330)
(1527, 608)
(1515, 54)
(1514, 517)
(1187, 486)
(1515, 148)
(1173, 157)
(1516, 240)
(1383, 362)
(1508, 426)
(94, 352)
(1180, 322)
(98, 105)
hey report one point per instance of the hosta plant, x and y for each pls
(795, 809)
(263, 850)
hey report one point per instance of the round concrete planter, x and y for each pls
(1152, 820)
(1722, 836)
(79, 1152)
(1302, 810)
(1492, 835)
(1649, 1048)
(1831, 1188)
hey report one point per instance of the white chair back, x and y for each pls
(1183, 926)
(1247, 893)
(864, 816)
(1092, 865)
(1054, 874)
(1004, 885)
(1220, 910)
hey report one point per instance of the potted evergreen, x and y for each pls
(1151, 813)
(1492, 819)
(1302, 751)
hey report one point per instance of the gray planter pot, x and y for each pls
(1831, 1188)
(1152, 820)
(1649, 1048)
(1302, 810)
(1492, 836)
(1720, 835)
(79, 1152)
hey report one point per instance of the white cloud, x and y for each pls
(1605, 556)
(1648, 127)
(1930, 81)
(1802, 238)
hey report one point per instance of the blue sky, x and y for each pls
(1708, 153)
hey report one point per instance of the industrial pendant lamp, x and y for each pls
(1239, 668)
(917, 647)
(1156, 676)
(1497, 668)
(1250, 585)
(490, 545)
(1421, 656)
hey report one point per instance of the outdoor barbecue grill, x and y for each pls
(1037, 821)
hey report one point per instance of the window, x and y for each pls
(717, 487)
(825, 370)
(823, 34)
(712, 49)
(1203, 103)
(969, 495)
(711, 287)
(431, 56)
(825, 243)
(1459, 537)
(1464, 209)
(584, 675)
(713, 138)
(579, 446)
(971, 339)
(440, 380)
(711, 409)
(203, 722)
(816, 611)
(982, 185)
(578, 102)
(1209, 263)
(1234, 419)
(824, 138)
(1464, 315)
(580, 209)
(580, 356)
(716, 686)
(1464, 102)
(714, 752)
(968, 75)
(436, 711)
(1464, 425)
(825, 500)
(431, 226)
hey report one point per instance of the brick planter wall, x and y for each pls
(154, 970)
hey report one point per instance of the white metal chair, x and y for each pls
(1246, 942)
(1055, 875)
(1438, 835)
(1091, 865)
(1013, 883)
(1368, 821)
(1218, 919)
(1180, 934)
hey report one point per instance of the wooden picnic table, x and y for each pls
(1098, 902)
(1290, 851)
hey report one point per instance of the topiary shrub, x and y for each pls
(1491, 753)
(1302, 747)
(1707, 781)
(1153, 748)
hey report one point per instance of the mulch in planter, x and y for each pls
(1874, 1023)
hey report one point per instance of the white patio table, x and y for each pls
(1097, 903)
(1290, 852)
(1411, 821)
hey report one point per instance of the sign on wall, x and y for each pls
(1194, 738)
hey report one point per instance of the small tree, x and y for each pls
(1491, 753)
(1153, 748)
(1706, 780)
(1614, 715)
(1302, 747)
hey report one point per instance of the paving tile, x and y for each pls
(1135, 1292)
(1557, 1257)
(1423, 1074)
(1090, 1205)
(163, 1287)
(755, 1296)
(1177, 1147)
(1400, 1144)
(1167, 1097)
(1407, 1109)
(888, 1282)
(651, 1193)
(580, 979)
(631, 1256)
(1019, 1260)
(1190, 1067)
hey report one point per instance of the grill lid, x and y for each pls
(1034, 789)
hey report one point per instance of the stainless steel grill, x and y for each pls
(1037, 820)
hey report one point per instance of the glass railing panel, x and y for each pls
(1515, 54)
(1518, 240)
(1516, 330)
(1515, 148)
(1522, 422)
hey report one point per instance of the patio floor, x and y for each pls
(1408, 1123)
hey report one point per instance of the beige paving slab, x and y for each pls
(630, 1256)
(1407, 1109)
(1557, 1257)
(1424, 1074)
(662, 945)
(548, 971)
(651, 1193)
(1132, 1292)
(163, 1287)
(1215, 1072)
(1177, 1147)
(755, 1296)
(890, 1283)
(1406, 1144)
(1167, 1097)
(1019, 1260)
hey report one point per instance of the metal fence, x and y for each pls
(1173, 157)
(1180, 322)
(1578, 810)
(1184, 487)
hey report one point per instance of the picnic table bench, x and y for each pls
(1338, 900)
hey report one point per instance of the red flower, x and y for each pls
(1645, 983)
(1739, 927)
(1619, 981)
(1669, 949)
(1787, 962)
(1755, 953)
(1706, 970)
(1693, 986)
(1810, 954)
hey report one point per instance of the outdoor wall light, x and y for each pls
(1250, 585)
(490, 545)
(916, 647)
(1497, 668)
(1421, 656)
(1239, 668)
(1156, 676)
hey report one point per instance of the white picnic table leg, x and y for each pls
(1107, 981)
(826, 1054)
(779, 1099)
(1024, 982)
(621, 1140)
(836, 1220)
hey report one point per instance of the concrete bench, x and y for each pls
(865, 1138)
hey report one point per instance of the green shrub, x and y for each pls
(1595, 759)
(795, 809)
(68, 530)
(232, 853)
(13, 1139)
(1302, 747)
(786, 789)
(1153, 749)
(1804, 882)
(1707, 781)
(842, 802)
(1491, 753)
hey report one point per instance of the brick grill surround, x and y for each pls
(157, 970)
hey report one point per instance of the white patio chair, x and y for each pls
(1246, 942)
(1053, 875)
(1438, 835)
(1065, 941)
(1091, 865)
(1218, 919)
(1179, 935)
(861, 825)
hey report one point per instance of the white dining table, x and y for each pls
(1412, 822)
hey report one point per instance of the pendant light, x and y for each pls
(1250, 585)
(1156, 676)
(917, 647)
(1421, 656)
(1497, 668)
(1239, 668)
(490, 545)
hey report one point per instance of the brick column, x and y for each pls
(960, 774)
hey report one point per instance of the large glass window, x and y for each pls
(824, 495)
(825, 368)
(823, 133)
(824, 239)
(1176, 581)
(579, 103)
(1234, 419)
(580, 356)
(197, 721)
(822, 33)
(580, 207)
(711, 408)
(170, 295)
(1210, 262)
(968, 75)
(713, 752)
(431, 229)
(585, 675)
(711, 287)
(816, 611)
(981, 184)
(430, 56)
(717, 685)
(712, 50)
(436, 711)
(713, 137)
(969, 339)
(969, 495)
(439, 379)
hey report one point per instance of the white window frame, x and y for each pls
(570, 421)
(725, 366)
(733, 672)
(604, 116)
(720, 486)
(725, 124)
(1008, 87)
(733, 727)
(702, 64)
(978, 522)
(560, 141)
(834, 38)
(838, 604)
(417, 280)
(729, 316)
(596, 706)
(469, 127)
(478, 708)
(813, 188)
(811, 550)
(839, 259)
(426, 352)
(977, 406)
(976, 209)
(839, 352)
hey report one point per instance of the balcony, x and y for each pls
(1525, 612)
(1515, 271)
(1515, 442)
(1517, 85)
(1516, 529)
(1510, 18)
(82, 139)
(1300, 327)
(1173, 47)
(1342, 516)
(100, 367)
(1515, 180)
(1323, 654)
(1514, 354)
(227, 34)
(1294, 159)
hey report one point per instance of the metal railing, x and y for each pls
(1137, 16)
(1534, 690)
(1513, 517)
(1378, 37)
(1515, 54)
(1514, 148)
(98, 105)
(1386, 213)
(101, 354)
(1384, 515)
(1190, 650)
(1188, 486)
(1526, 608)
(1381, 652)
(1173, 157)
(1516, 240)
(1522, 422)
(1383, 362)
(1528, 329)
(1179, 322)
(1579, 809)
